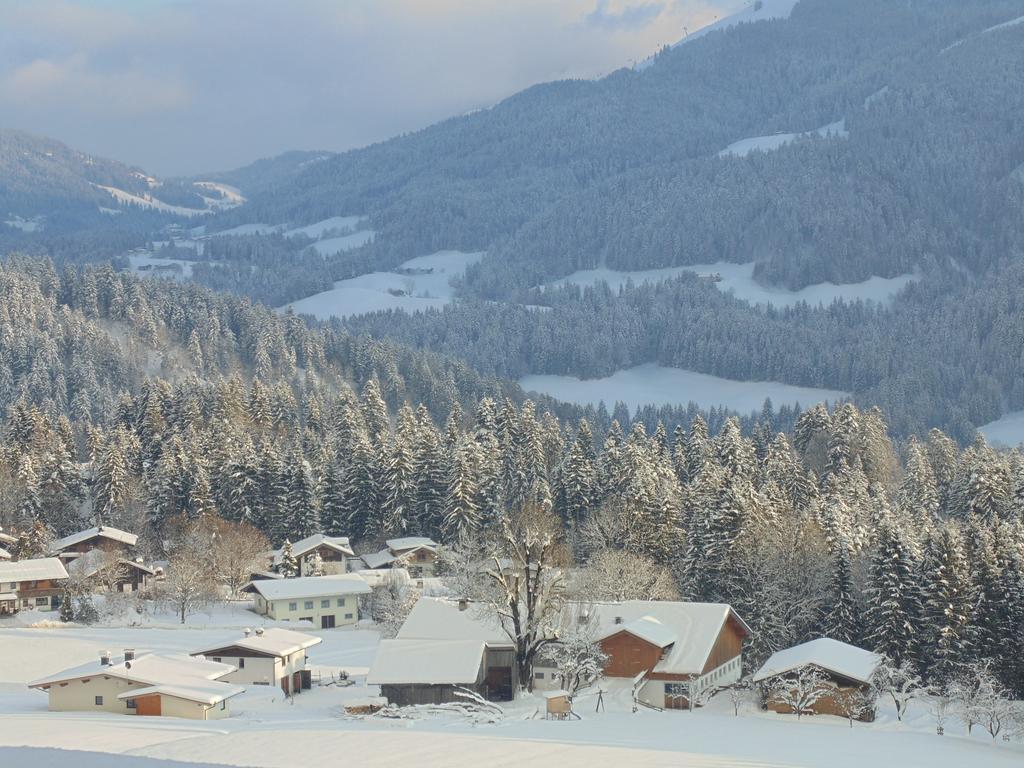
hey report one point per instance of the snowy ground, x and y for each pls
(1007, 431)
(333, 245)
(659, 385)
(268, 730)
(420, 283)
(333, 225)
(139, 260)
(739, 280)
(744, 147)
(33, 224)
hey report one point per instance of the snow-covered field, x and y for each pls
(1007, 431)
(152, 264)
(266, 729)
(333, 245)
(744, 147)
(739, 279)
(33, 224)
(335, 224)
(420, 283)
(659, 385)
(248, 229)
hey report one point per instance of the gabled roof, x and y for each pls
(274, 641)
(310, 586)
(150, 669)
(426, 662)
(304, 546)
(439, 619)
(688, 630)
(90, 562)
(646, 628)
(209, 694)
(406, 543)
(103, 532)
(375, 560)
(829, 655)
(32, 570)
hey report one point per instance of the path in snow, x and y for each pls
(739, 280)
(653, 384)
(426, 284)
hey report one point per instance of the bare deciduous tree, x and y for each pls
(800, 690)
(189, 583)
(236, 551)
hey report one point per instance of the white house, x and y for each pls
(325, 601)
(153, 685)
(334, 553)
(271, 656)
(34, 583)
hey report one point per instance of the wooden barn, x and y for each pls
(846, 670)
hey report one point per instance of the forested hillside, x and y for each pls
(132, 403)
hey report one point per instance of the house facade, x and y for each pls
(675, 652)
(109, 570)
(271, 656)
(26, 584)
(416, 554)
(325, 601)
(846, 672)
(334, 553)
(150, 685)
(100, 537)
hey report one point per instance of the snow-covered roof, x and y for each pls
(827, 654)
(90, 562)
(375, 560)
(304, 546)
(646, 628)
(439, 619)
(274, 641)
(380, 576)
(210, 694)
(150, 669)
(426, 662)
(411, 542)
(4, 554)
(32, 570)
(311, 586)
(692, 628)
(556, 694)
(6, 538)
(103, 531)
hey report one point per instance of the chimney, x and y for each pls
(104, 658)
(248, 631)
(618, 619)
(463, 603)
(129, 654)
(259, 632)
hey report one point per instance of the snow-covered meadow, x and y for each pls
(744, 147)
(738, 279)
(653, 384)
(266, 729)
(420, 283)
(1006, 431)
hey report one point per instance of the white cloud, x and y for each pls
(216, 83)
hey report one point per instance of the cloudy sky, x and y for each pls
(183, 86)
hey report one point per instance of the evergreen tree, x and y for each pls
(893, 598)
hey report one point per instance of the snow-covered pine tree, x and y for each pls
(842, 618)
(289, 566)
(948, 604)
(894, 606)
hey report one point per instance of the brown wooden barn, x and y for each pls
(846, 669)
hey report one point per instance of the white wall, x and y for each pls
(258, 670)
(79, 696)
(345, 609)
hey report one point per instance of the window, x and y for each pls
(341, 602)
(308, 605)
(42, 600)
(293, 606)
(217, 659)
(224, 704)
(14, 585)
(129, 702)
(676, 689)
(241, 663)
(348, 615)
(99, 701)
(538, 675)
(325, 603)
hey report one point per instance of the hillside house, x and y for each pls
(108, 570)
(847, 672)
(103, 537)
(153, 685)
(334, 552)
(271, 656)
(416, 554)
(31, 584)
(442, 646)
(325, 601)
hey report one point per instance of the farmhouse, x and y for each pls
(167, 685)
(109, 570)
(847, 672)
(31, 584)
(417, 554)
(270, 656)
(334, 552)
(100, 537)
(445, 645)
(325, 601)
(673, 651)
